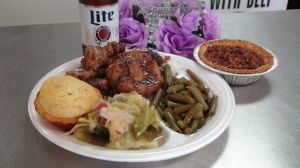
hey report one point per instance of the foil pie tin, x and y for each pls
(233, 78)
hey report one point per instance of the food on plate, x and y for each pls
(96, 60)
(139, 90)
(98, 57)
(184, 104)
(62, 100)
(94, 64)
(135, 71)
(236, 56)
(112, 70)
(124, 121)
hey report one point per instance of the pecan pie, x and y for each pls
(236, 56)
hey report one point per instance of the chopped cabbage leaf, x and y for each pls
(131, 118)
(148, 118)
(129, 141)
(131, 123)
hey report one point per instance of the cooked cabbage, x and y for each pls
(130, 116)
(130, 123)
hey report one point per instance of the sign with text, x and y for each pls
(246, 5)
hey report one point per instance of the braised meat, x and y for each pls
(96, 57)
(111, 69)
(100, 84)
(82, 74)
(134, 71)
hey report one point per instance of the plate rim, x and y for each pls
(211, 136)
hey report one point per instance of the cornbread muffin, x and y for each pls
(62, 100)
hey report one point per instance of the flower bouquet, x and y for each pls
(173, 26)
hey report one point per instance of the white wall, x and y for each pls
(27, 12)
(246, 5)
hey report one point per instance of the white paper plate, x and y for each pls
(175, 144)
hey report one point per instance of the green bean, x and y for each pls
(173, 104)
(168, 74)
(205, 90)
(188, 118)
(183, 108)
(184, 104)
(202, 122)
(176, 88)
(181, 124)
(170, 110)
(200, 83)
(175, 80)
(188, 130)
(197, 111)
(194, 84)
(183, 115)
(194, 125)
(213, 105)
(198, 96)
(176, 117)
(185, 92)
(162, 104)
(161, 113)
(205, 96)
(171, 121)
(157, 97)
(183, 80)
(181, 98)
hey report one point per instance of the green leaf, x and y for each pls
(137, 15)
(151, 45)
(199, 31)
(174, 19)
(140, 18)
(135, 10)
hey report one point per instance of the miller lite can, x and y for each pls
(99, 20)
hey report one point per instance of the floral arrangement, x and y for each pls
(189, 25)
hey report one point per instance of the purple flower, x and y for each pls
(190, 21)
(171, 38)
(133, 33)
(149, 3)
(125, 8)
(211, 28)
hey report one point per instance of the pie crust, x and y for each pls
(259, 50)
